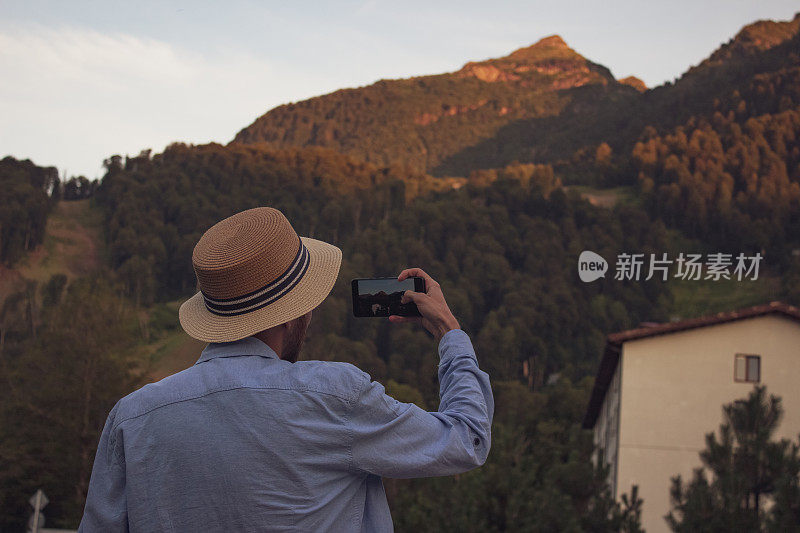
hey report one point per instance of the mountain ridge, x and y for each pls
(541, 103)
(421, 121)
(758, 36)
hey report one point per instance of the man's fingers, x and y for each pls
(434, 289)
(429, 281)
(411, 296)
(400, 319)
(414, 272)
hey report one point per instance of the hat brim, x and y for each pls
(323, 269)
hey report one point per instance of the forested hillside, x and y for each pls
(733, 165)
(541, 104)
(720, 144)
(423, 121)
(496, 246)
(158, 207)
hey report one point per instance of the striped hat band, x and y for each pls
(266, 294)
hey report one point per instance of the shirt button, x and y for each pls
(476, 441)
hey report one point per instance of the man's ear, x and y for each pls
(292, 323)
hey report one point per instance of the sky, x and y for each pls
(83, 80)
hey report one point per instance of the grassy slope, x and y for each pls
(606, 197)
(703, 297)
(171, 351)
(72, 246)
(694, 298)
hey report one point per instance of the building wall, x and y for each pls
(606, 428)
(672, 392)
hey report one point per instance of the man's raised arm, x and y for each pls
(401, 440)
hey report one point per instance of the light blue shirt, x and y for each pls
(245, 441)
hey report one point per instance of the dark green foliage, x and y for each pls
(748, 470)
(785, 514)
(505, 252)
(739, 179)
(56, 389)
(25, 202)
(539, 475)
(720, 159)
(78, 188)
(158, 208)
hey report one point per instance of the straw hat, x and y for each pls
(255, 272)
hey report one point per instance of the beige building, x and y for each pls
(660, 389)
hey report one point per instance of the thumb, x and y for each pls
(411, 296)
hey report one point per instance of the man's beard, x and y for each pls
(295, 338)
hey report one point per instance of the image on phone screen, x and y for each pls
(380, 297)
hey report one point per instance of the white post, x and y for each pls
(38, 501)
(36, 508)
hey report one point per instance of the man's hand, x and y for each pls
(436, 316)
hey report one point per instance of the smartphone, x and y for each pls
(380, 297)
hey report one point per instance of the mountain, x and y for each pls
(754, 38)
(423, 121)
(719, 156)
(759, 65)
(544, 103)
(755, 73)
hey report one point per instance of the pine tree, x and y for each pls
(749, 471)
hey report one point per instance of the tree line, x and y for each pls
(26, 199)
(28, 194)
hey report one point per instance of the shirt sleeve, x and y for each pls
(106, 506)
(401, 440)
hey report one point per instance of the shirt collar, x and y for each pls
(246, 346)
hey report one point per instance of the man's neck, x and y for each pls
(273, 339)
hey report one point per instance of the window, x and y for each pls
(747, 368)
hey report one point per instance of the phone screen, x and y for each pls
(380, 297)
